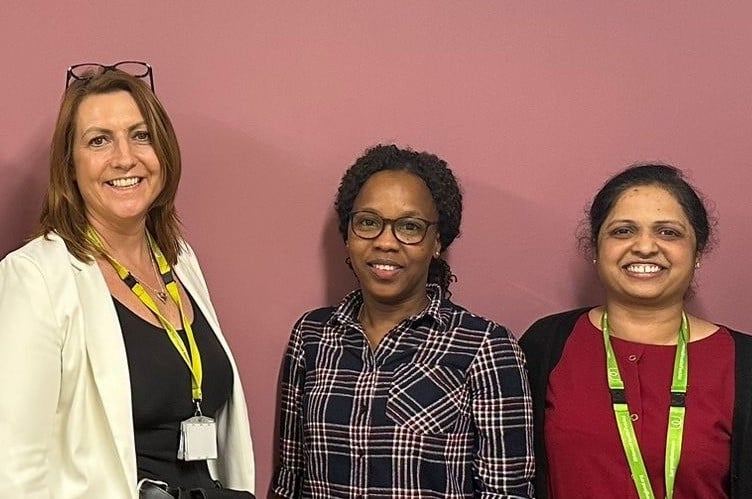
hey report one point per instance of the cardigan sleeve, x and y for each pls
(543, 343)
(741, 431)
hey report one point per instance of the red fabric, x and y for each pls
(585, 453)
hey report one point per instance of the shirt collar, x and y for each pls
(348, 309)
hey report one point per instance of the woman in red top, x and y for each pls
(637, 398)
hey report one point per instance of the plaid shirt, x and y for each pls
(441, 408)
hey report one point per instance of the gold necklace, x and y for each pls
(161, 292)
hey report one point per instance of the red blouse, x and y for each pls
(585, 454)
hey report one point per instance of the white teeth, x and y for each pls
(382, 266)
(124, 182)
(643, 268)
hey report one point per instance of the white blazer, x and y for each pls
(66, 427)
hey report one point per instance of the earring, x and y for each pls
(348, 262)
(436, 255)
(595, 260)
(697, 264)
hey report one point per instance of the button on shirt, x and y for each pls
(441, 408)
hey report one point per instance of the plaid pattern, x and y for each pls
(441, 409)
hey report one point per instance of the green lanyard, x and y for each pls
(675, 415)
(194, 360)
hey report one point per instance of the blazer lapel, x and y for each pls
(108, 360)
(193, 285)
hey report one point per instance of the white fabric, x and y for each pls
(66, 428)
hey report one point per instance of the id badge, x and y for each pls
(198, 439)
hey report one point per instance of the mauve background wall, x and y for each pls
(533, 104)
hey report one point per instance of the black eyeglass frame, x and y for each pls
(391, 222)
(104, 68)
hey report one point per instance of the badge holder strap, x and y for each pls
(677, 411)
(194, 360)
(624, 424)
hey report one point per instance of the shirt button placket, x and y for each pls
(361, 409)
(362, 406)
(632, 372)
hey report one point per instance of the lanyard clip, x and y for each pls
(678, 399)
(197, 405)
(618, 396)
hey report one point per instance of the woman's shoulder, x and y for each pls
(187, 258)
(566, 319)
(314, 321)
(701, 328)
(742, 339)
(40, 267)
(551, 330)
(457, 317)
(185, 250)
(318, 315)
(43, 251)
(346, 311)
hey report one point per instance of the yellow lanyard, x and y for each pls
(676, 413)
(194, 360)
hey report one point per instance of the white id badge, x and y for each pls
(198, 439)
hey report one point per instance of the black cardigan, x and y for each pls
(543, 344)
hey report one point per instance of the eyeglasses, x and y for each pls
(407, 230)
(88, 70)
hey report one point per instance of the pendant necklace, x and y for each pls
(161, 293)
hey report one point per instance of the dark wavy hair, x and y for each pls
(440, 180)
(664, 176)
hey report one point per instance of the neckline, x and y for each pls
(594, 329)
(121, 305)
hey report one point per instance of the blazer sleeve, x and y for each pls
(31, 343)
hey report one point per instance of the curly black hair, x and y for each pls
(440, 180)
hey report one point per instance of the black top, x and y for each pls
(543, 344)
(161, 394)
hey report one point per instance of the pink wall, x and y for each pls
(533, 105)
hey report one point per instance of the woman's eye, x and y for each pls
(669, 233)
(410, 226)
(142, 136)
(97, 141)
(367, 222)
(622, 232)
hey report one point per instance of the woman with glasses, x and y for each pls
(637, 398)
(113, 364)
(397, 391)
